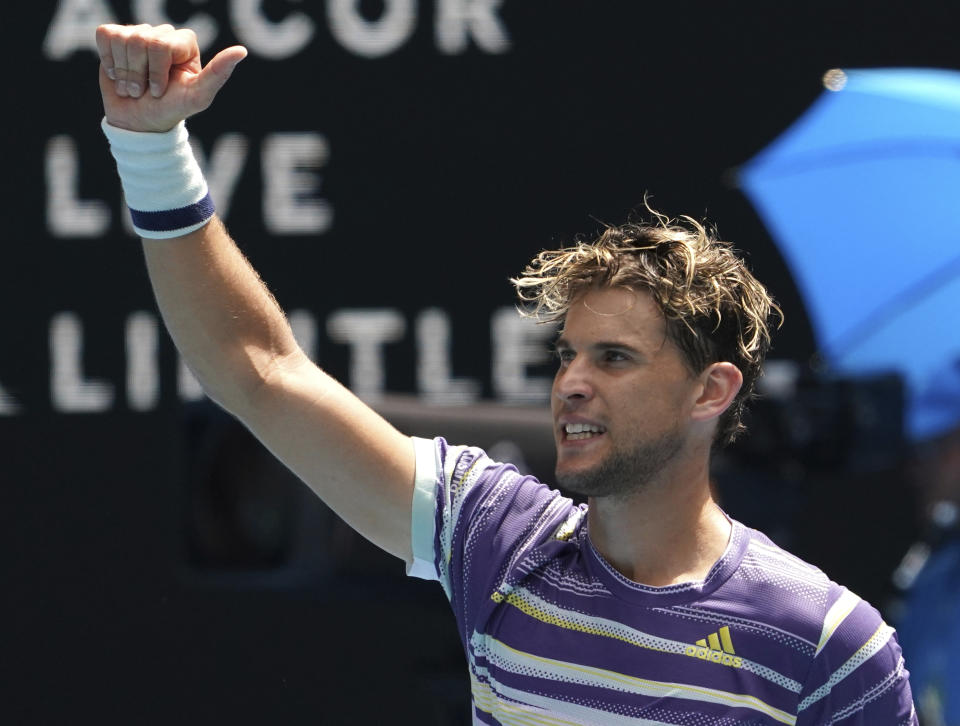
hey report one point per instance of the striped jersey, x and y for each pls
(555, 635)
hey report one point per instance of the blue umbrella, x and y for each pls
(862, 196)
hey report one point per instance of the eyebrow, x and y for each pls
(563, 343)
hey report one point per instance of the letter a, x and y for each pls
(73, 27)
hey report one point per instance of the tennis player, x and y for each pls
(646, 605)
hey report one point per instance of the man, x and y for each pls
(648, 605)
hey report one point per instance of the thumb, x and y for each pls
(216, 73)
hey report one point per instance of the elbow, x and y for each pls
(239, 385)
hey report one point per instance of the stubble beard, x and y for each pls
(625, 473)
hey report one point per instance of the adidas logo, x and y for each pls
(716, 648)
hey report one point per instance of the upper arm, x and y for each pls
(237, 341)
(352, 458)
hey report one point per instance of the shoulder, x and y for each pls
(805, 601)
(857, 673)
(850, 666)
(844, 629)
(467, 472)
(778, 587)
(478, 510)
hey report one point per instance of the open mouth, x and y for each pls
(581, 431)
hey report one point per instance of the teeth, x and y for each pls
(577, 428)
(577, 431)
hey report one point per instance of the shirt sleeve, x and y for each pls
(476, 522)
(858, 677)
(423, 511)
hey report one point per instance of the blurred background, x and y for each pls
(387, 165)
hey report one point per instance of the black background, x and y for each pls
(447, 172)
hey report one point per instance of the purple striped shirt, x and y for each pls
(553, 634)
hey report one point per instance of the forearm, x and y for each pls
(224, 321)
(226, 324)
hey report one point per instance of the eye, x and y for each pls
(615, 356)
(563, 355)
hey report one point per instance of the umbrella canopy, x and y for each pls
(862, 196)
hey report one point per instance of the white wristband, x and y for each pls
(162, 182)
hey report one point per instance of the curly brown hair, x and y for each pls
(715, 309)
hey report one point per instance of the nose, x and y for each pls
(573, 383)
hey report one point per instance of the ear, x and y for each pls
(721, 382)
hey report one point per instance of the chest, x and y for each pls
(643, 655)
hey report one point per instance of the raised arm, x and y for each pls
(222, 318)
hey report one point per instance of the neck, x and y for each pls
(669, 533)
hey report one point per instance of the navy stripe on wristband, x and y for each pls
(171, 220)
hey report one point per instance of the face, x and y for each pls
(621, 397)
